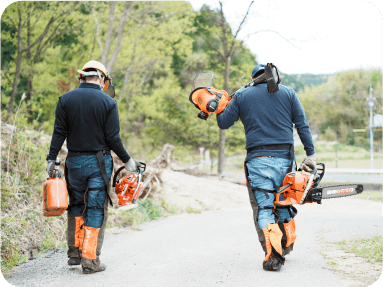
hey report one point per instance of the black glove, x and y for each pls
(51, 167)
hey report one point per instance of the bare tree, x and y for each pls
(229, 45)
(43, 41)
(105, 48)
(226, 51)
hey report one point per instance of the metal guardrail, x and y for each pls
(353, 170)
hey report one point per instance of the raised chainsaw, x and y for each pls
(210, 100)
(130, 187)
(300, 187)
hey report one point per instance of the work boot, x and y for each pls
(272, 264)
(74, 261)
(87, 270)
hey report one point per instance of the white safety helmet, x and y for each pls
(100, 70)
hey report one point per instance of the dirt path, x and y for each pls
(219, 246)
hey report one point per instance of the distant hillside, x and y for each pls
(298, 81)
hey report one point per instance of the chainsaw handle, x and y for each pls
(313, 167)
(141, 167)
(115, 175)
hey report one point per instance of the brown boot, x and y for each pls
(87, 270)
(74, 261)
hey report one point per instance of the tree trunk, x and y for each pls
(17, 75)
(28, 99)
(222, 139)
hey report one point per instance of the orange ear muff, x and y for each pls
(106, 85)
(207, 101)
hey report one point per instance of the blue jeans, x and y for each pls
(84, 173)
(268, 173)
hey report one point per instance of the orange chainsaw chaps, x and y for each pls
(275, 237)
(79, 233)
(201, 98)
(293, 194)
(90, 242)
(267, 243)
(290, 232)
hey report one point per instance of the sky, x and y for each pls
(325, 37)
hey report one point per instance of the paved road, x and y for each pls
(217, 248)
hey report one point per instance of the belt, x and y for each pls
(78, 153)
(289, 147)
(270, 147)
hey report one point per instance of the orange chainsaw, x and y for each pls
(300, 187)
(210, 100)
(130, 187)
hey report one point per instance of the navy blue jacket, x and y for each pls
(268, 119)
(88, 118)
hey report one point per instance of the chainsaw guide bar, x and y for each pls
(316, 194)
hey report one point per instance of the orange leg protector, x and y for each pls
(289, 236)
(90, 242)
(274, 255)
(290, 232)
(79, 234)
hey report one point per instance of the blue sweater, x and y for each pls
(268, 119)
(88, 119)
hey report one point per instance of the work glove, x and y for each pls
(131, 165)
(51, 167)
(309, 160)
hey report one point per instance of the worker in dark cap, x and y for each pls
(268, 120)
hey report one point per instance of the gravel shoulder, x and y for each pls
(220, 246)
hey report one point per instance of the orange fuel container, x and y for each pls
(55, 196)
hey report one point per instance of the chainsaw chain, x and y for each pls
(336, 185)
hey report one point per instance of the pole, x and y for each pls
(336, 150)
(371, 105)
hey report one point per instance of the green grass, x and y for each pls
(147, 210)
(190, 209)
(374, 195)
(370, 248)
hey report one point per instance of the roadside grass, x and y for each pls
(374, 195)
(190, 209)
(370, 248)
(146, 210)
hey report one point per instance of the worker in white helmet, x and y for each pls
(88, 119)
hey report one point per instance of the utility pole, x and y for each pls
(371, 105)
(336, 150)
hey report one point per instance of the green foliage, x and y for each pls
(339, 106)
(190, 209)
(370, 248)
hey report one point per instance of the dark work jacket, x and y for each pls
(268, 119)
(88, 119)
